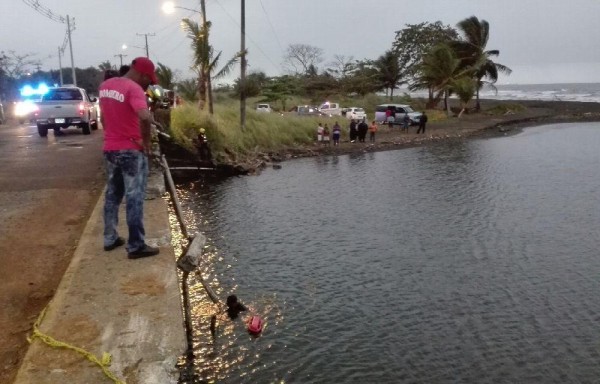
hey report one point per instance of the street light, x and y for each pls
(169, 7)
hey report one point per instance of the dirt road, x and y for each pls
(48, 188)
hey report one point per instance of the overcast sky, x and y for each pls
(543, 41)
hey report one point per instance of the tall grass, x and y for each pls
(266, 132)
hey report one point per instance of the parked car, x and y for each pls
(398, 111)
(331, 109)
(307, 110)
(355, 113)
(63, 107)
(264, 108)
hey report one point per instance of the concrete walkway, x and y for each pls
(108, 303)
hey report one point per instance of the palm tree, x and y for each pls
(105, 66)
(464, 88)
(188, 89)
(442, 71)
(165, 76)
(471, 49)
(390, 71)
(205, 61)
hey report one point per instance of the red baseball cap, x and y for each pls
(145, 66)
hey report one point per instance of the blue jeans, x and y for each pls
(127, 173)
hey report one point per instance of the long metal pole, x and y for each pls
(243, 70)
(71, 49)
(60, 67)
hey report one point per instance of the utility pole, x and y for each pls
(60, 66)
(121, 56)
(71, 49)
(146, 37)
(243, 69)
(208, 74)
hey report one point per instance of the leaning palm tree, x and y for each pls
(205, 61)
(471, 49)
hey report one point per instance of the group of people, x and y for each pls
(358, 131)
(390, 118)
(323, 134)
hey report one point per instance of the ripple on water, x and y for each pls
(461, 262)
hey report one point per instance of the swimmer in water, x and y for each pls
(234, 307)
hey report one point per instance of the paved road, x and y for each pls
(30, 162)
(48, 188)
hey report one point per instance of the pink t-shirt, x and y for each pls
(120, 100)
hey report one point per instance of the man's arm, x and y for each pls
(145, 117)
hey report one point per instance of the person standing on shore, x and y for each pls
(353, 131)
(337, 132)
(320, 133)
(363, 127)
(372, 130)
(422, 123)
(389, 117)
(405, 122)
(326, 135)
(126, 121)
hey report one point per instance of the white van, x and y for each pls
(331, 109)
(398, 110)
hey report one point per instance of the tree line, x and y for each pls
(428, 56)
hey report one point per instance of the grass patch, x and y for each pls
(503, 109)
(264, 133)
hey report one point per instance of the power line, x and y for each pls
(35, 4)
(271, 25)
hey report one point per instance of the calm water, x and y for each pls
(465, 262)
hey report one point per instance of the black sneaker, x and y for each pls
(145, 251)
(120, 241)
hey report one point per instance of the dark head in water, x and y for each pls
(234, 307)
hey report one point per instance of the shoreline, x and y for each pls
(473, 125)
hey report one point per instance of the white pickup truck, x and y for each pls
(62, 107)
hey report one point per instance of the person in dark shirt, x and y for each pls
(234, 307)
(363, 127)
(422, 123)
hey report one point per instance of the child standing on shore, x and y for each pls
(372, 130)
(320, 133)
(326, 135)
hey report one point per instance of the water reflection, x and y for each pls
(460, 262)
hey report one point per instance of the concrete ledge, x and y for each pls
(108, 303)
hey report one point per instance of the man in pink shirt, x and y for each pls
(127, 132)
